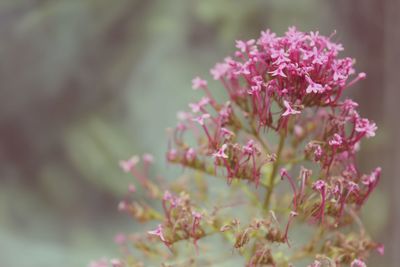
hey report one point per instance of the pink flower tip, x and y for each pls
(381, 249)
(220, 153)
(167, 196)
(99, 263)
(201, 119)
(120, 239)
(319, 185)
(198, 83)
(172, 154)
(131, 188)
(336, 140)
(148, 158)
(289, 110)
(116, 263)
(197, 215)
(122, 206)
(283, 172)
(128, 165)
(362, 75)
(358, 263)
(158, 232)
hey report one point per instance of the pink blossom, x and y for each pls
(131, 188)
(280, 56)
(244, 46)
(122, 206)
(99, 263)
(190, 154)
(182, 115)
(315, 264)
(336, 140)
(381, 249)
(128, 165)
(249, 148)
(197, 107)
(120, 239)
(172, 154)
(227, 133)
(320, 186)
(358, 263)
(365, 126)
(314, 87)
(279, 71)
(116, 263)
(289, 110)
(220, 153)
(317, 153)
(267, 38)
(219, 70)
(158, 232)
(148, 158)
(167, 196)
(198, 83)
(200, 119)
(197, 215)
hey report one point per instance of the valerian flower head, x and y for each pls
(283, 116)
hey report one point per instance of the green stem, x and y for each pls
(271, 183)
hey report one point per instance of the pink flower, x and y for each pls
(158, 232)
(148, 158)
(116, 263)
(128, 165)
(244, 46)
(198, 83)
(267, 38)
(219, 70)
(172, 154)
(226, 133)
(197, 215)
(120, 239)
(358, 263)
(197, 107)
(381, 249)
(319, 185)
(221, 152)
(131, 188)
(167, 196)
(365, 126)
(200, 119)
(249, 148)
(280, 56)
(315, 264)
(190, 154)
(314, 87)
(289, 110)
(336, 140)
(182, 115)
(122, 206)
(279, 71)
(99, 263)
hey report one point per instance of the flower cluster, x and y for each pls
(283, 117)
(181, 221)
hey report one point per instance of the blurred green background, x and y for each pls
(85, 83)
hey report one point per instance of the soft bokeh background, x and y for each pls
(84, 83)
